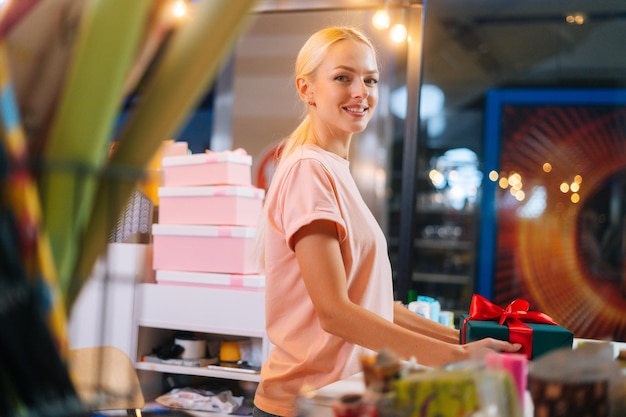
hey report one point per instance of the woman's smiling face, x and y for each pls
(344, 89)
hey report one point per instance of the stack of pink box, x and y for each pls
(208, 215)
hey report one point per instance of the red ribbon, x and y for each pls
(514, 316)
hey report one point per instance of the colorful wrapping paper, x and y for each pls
(33, 336)
(535, 331)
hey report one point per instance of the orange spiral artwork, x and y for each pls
(561, 214)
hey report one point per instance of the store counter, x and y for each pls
(320, 404)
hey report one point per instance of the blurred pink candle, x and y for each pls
(516, 364)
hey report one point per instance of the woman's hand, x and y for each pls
(479, 348)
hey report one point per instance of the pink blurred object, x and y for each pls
(214, 168)
(178, 148)
(516, 364)
(220, 249)
(209, 279)
(216, 205)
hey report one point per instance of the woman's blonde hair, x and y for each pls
(309, 58)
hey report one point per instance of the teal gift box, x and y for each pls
(545, 337)
(537, 332)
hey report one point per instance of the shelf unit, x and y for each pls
(444, 263)
(212, 313)
(444, 238)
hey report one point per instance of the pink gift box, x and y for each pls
(215, 168)
(208, 279)
(220, 249)
(217, 205)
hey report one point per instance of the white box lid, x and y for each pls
(206, 158)
(212, 191)
(203, 231)
(209, 278)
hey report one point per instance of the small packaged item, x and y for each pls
(348, 405)
(381, 370)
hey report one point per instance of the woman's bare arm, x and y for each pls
(319, 256)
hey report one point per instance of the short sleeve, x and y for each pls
(308, 194)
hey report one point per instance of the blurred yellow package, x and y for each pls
(455, 393)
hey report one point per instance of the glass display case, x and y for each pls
(444, 227)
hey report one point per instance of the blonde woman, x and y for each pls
(329, 295)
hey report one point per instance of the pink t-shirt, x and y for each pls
(313, 184)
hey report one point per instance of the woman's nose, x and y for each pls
(360, 89)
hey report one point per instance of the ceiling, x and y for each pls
(473, 45)
(469, 46)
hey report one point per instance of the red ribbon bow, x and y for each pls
(514, 316)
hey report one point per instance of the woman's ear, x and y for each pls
(304, 91)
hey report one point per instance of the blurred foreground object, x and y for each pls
(187, 67)
(582, 382)
(33, 335)
(106, 379)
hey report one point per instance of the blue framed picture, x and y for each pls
(553, 220)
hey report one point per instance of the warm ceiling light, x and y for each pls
(398, 33)
(577, 18)
(179, 9)
(381, 19)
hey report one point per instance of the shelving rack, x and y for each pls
(209, 312)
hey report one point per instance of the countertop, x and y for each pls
(320, 402)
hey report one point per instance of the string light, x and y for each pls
(381, 19)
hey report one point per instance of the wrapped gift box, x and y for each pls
(220, 249)
(214, 205)
(545, 337)
(207, 279)
(214, 168)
